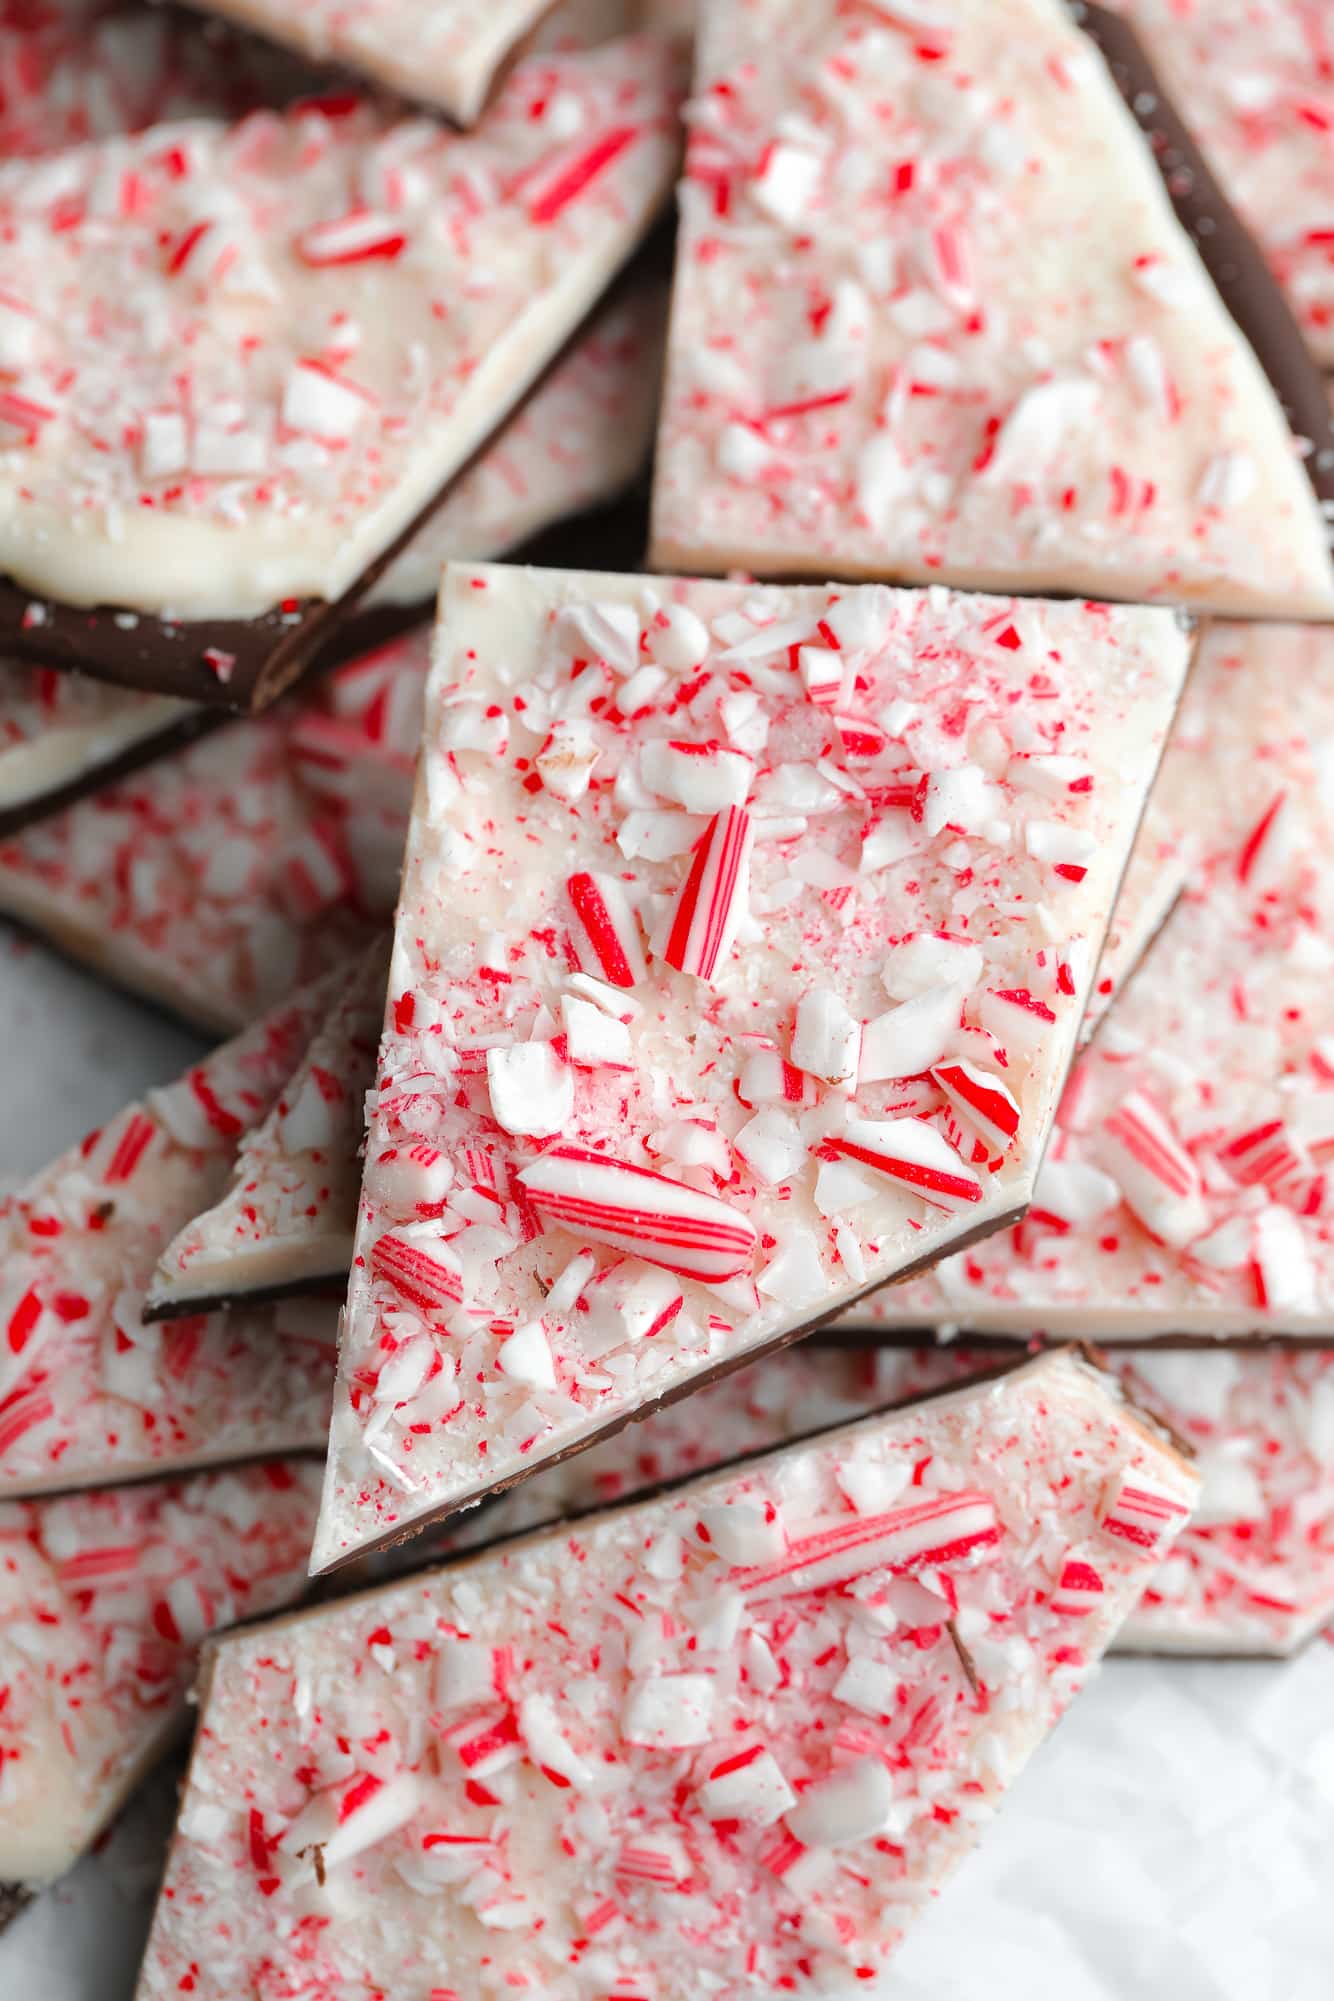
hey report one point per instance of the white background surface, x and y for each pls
(1174, 1840)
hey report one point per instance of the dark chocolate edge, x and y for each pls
(276, 648)
(14, 1900)
(1230, 254)
(314, 1285)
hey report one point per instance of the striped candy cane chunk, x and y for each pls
(343, 1820)
(713, 896)
(912, 1154)
(633, 1209)
(1157, 1177)
(351, 239)
(1079, 1591)
(657, 1858)
(747, 1786)
(767, 1078)
(605, 932)
(981, 1101)
(702, 777)
(939, 1531)
(1285, 1276)
(420, 1266)
(1140, 1511)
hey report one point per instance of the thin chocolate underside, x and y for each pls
(184, 1306)
(14, 1898)
(171, 737)
(243, 665)
(927, 1334)
(1230, 254)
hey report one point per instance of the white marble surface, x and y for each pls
(1174, 1841)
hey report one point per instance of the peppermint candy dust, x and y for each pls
(665, 1749)
(714, 1002)
(360, 303)
(89, 1393)
(1254, 79)
(285, 1222)
(1187, 1187)
(107, 1596)
(935, 319)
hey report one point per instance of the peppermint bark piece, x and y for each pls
(449, 54)
(203, 531)
(555, 482)
(741, 950)
(285, 1223)
(106, 1597)
(740, 1734)
(1186, 1193)
(88, 1393)
(919, 385)
(1255, 81)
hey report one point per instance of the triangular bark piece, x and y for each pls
(106, 1598)
(89, 1394)
(1186, 1191)
(362, 302)
(740, 1734)
(753, 820)
(286, 1222)
(570, 454)
(936, 320)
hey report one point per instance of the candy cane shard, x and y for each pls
(784, 1792)
(633, 1209)
(107, 1597)
(1185, 1195)
(286, 1221)
(326, 455)
(873, 415)
(709, 1121)
(89, 1391)
(712, 899)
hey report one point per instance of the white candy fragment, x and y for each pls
(851, 1806)
(669, 1712)
(827, 1039)
(593, 1037)
(749, 1786)
(532, 1091)
(704, 778)
(907, 1040)
(526, 1357)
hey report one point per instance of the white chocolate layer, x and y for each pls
(1210, 1212)
(104, 1598)
(933, 801)
(935, 320)
(288, 1215)
(90, 1395)
(362, 301)
(670, 1740)
(57, 728)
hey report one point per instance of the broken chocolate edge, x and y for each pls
(184, 1306)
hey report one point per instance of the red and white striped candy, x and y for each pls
(343, 1820)
(914, 1155)
(713, 896)
(419, 1265)
(981, 1101)
(660, 1858)
(633, 1209)
(1079, 1590)
(767, 1078)
(605, 931)
(1156, 1175)
(943, 1530)
(1140, 1511)
(351, 239)
(485, 1744)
